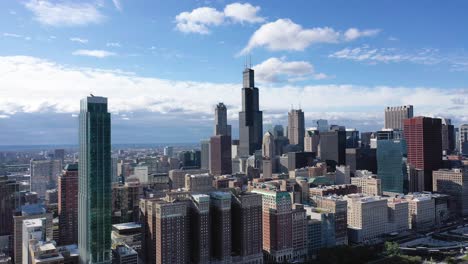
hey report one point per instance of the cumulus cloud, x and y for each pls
(201, 19)
(13, 35)
(243, 13)
(113, 44)
(26, 90)
(79, 40)
(284, 34)
(117, 4)
(94, 53)
(275, 70)
(64, 13)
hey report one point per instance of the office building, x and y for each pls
(200, 229)
(205, 154)
(332, 146)
(361, 159)
(296, 128)
(129, 234)
(246, 211)
(250, 118)
(391, 164)
(177, 176)
(33, 229)
(421, 208)
(220, 214)
(368, 184)
(311, 141)
(68, 205)
(352, 138)
(424, 142)
(367, 217)
(463, 136)
(8, 204)
(268, 146)
(448, 136)
(220, 155)
(277, 225)
(95, 180)
(322, 125)
(123, 254)
(327, 225)
(199, 183)
(44, 174)
(454, 183)
(398, 215)
(168, 151)
(299, 232)
(394, 116)
(59, 154)
(221, 127)
(337, 206)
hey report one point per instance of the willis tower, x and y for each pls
(250, 119)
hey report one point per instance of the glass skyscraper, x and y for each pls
(95, 179)
(391, 165)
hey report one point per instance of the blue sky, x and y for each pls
(165, 64)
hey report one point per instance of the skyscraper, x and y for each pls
(250, 118)
(424, 140)
(391, 165)
(44, 175)
(394, 116)
(332, 146)
(296, 128)
(205, 154)
(8, 204)
(68, 205)
(463, 134)
(221, 126)
(322, 125)
(448, 135)
(95, 197)
(268, 146)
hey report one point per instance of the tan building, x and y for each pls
(397, 215)
(199, 183)
(368, 184)
(178, 176)
(367, 217)
(454, 183)
(338, 206)
(421, 208)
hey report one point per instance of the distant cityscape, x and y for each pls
(267, 195)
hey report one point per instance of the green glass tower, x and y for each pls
(95, 189)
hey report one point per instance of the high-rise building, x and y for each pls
(394, 116)
(8, 204)
(398, 214)
(68, 205)
(424, 141)
(95, 182)
(448, 136)
(296, 128)
(332, 146)
(391, 164)
(178, 176)
(338, 207)
(59, 154)
(311, 141)
(250, 118)
(169, 151)
(220, 211)
(277, 225)
(463, 135)
(200, 232)
(361, 159)
(221, 126)
(33, 229)
(299, 232)
(367, 184)
(124, 254)
(268, 146)
(220, 155)
(454, 183)
(246, 211)
(44, 174)
(205, 154)
(421, 208)
(322, 125)
(352, 138)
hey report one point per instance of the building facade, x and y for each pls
(68, 205)
(394, 116)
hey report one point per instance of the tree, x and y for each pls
(392, 249)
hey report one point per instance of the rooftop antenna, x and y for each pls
(92, 95)
(250, 61)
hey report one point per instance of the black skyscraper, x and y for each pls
(250, 119)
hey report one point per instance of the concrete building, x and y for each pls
(8, 203)
(221, 126)
(454, 183)
(368, 184)
(123, 254)
(296, 128)
(394, 116)
(322, 125)
(250, 118)
(199, 183)
(277, 225)
(367, 217)
(338, 206)
(424, 142)
(129, 234)
(343, 175)
(421, 208)
(205, 154)
(44, 174)
(68, 205)
(398, 215)
(177, 176)
(247, 228)
(220, 155)
(463, 136)
(200, 229)
(327, 225)
(299, 232)
(361, 159)
(221, 236)
(168, 151)
(332, 146)
(311, 141)
(268, 146)
(33, 230)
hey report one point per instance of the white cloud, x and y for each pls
(198, 20)
(243, 13)
(117, 4)
(274, 70)
(391, 55)
(201, 19)
(94, 53)
(79, 40)
(354, 33)
(26, 90)
(113, 44)
(64, 13)
(284, 34)
(12, 35)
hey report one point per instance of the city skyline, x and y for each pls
(162, 84)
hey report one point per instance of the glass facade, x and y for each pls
(391, 167)
(95, 182)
